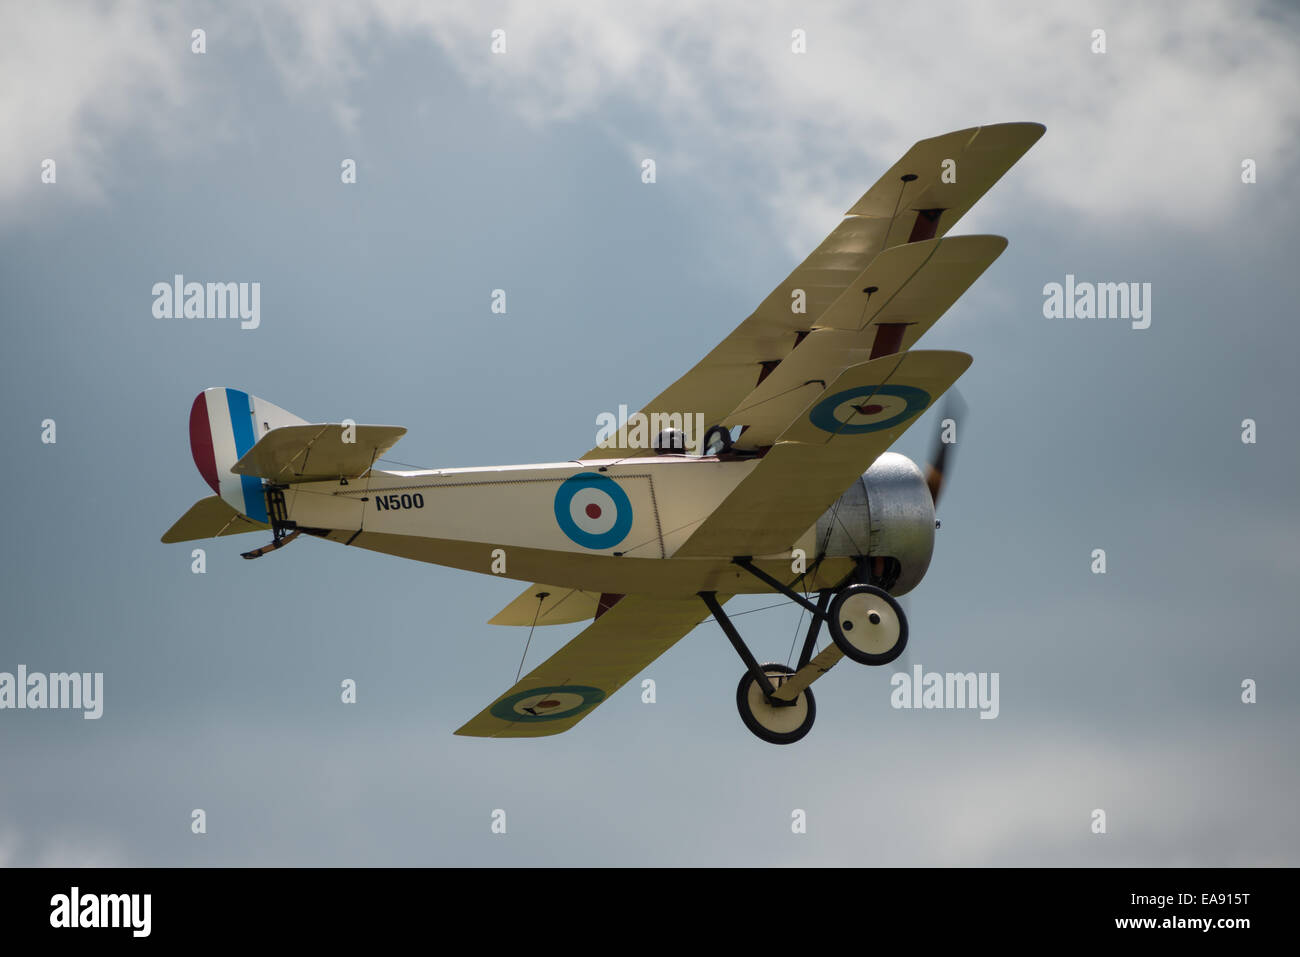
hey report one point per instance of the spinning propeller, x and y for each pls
(954, 407)
(936, 472)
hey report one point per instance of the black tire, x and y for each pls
(855, 632)
(785, 725)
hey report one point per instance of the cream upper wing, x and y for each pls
(911, 203)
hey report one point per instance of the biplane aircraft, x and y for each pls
(804, 399)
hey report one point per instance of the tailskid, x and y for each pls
(283, 530)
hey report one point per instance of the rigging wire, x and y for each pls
(541, 597)
(405, 465)
(751, 611)
(799, 626)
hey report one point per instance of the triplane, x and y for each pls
(804, 398)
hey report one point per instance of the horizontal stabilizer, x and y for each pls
(317, 452)
(210, 518)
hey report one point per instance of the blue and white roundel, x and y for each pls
(593, 510)
(868, 408)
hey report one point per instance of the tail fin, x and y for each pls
(224, 424)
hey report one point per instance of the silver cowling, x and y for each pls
(886, 514)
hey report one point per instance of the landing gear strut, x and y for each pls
(866, 625)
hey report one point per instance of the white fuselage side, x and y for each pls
(565, 523)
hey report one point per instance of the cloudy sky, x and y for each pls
(1120, 692)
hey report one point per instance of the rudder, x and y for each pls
(224, 425)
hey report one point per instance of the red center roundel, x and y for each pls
(593, 510)
(876, 408)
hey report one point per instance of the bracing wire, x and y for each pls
(541, 597)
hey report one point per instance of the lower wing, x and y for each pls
(569, 685)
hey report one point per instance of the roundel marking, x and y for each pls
(885, 407)
(547, 704)
(593, 510)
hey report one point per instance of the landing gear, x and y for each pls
(775, 702)
(867, 624)
(776, 722)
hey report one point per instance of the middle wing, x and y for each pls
(567, 686)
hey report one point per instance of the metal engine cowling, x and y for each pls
(886, 516)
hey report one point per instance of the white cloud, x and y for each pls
(1155, 129)
(75, 79)
(85, 850)
(911, 789)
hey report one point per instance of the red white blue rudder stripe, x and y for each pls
(224, 425)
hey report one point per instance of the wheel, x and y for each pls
(775, 724)
(868, 625)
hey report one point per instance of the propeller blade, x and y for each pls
(954, 407)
